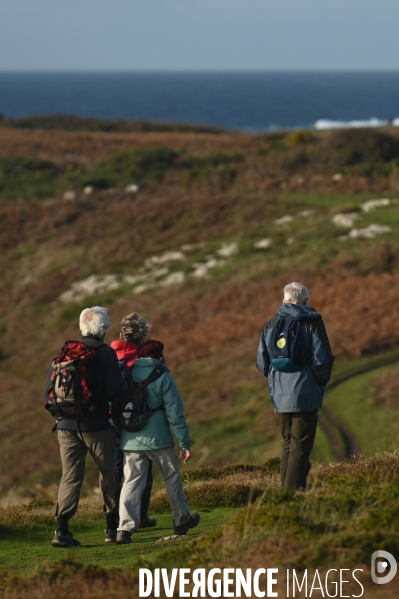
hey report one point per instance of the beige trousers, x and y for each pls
(135, 470)
(101, 446)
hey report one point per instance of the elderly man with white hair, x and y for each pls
(83, 380)
(295, 355)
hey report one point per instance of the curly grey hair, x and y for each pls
(134, 328)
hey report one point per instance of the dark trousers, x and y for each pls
(298, 430)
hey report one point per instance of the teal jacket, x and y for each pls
(157, 431)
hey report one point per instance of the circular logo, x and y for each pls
(281, 343)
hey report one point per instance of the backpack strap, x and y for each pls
(155, 374)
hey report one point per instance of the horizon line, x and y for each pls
(197, 71)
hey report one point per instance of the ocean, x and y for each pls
(247, 101)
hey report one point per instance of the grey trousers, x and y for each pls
(298, 430)
(101, 446)
(135, 471)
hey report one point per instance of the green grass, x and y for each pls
(354, 401)
(27, 177)
(24, 547)
(347, 512)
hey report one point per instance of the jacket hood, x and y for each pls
(148, 364)
(126, 351)
(298, 312)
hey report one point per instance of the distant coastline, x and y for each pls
(247, 101)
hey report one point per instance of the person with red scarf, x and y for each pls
(128, 352)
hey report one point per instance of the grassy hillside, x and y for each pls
(219, 224)
(348, 511)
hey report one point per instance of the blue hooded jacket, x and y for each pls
(303, 390)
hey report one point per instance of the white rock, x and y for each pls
(228, 249)
(201, 270)
(88, 190)
(189, 247)
(173, 279)
(212, 262)
(284, 220)
(373, 204)
(91, 286)
(367, 232)
(290, 240)
(132, 188)
(337, 177)
(304, 213)
(263, 244)
(163, 259)
(160, 272)
(346, 220)
(69, 195)
(170, 538)
(144, 287)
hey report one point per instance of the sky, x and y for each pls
(188, 35)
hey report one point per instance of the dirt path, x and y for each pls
(343, 442)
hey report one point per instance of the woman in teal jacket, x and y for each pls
(154, 442)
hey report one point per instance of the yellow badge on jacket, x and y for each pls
(281, 343)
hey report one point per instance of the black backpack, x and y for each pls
(286, 347)
(70, 393)
(131, 410)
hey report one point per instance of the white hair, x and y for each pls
(296, 293)
(94, 321)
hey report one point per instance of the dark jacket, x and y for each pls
(303, 390)
(104, 383)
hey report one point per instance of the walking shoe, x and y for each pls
(62, 539)
(146, 522)
(191, 523)
(123, 537)
(110, 535)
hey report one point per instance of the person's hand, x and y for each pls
(185, 455)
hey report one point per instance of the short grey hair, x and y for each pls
(94, 321)
(296, 293)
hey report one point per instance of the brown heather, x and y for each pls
(210, 328)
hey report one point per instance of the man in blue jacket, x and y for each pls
(295, 355)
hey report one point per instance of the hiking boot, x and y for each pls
(123, 537)
(191, 523)
(147, 522)
(62, 539)
(110, 535)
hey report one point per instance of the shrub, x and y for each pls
(350, 147)
(214, 159)
(214, 163)
(28, 177)
(299, 137)
(70, 122)
(135, 165)
(272, 466)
